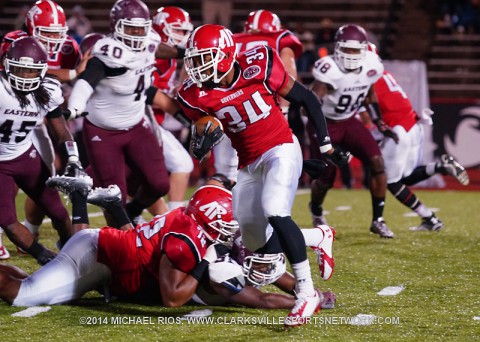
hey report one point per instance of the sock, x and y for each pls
(119, 215)
(175, 204)
(302, 274)
(378, 203)
(432, 168)
(313, 237)
(134, 208)
(79, 208)
(423, 211)
(33, 228)
(316, 209)
(290, 237)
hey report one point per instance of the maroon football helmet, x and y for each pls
(26, 63)
(348, 38)
(89, 41)
(211, 207)
(46, 21)
(130, 23)
(210, 53)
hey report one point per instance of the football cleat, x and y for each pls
(453, 168)
(4, 254)
(67, 185)
(305, 307)
(323, 251)
(380, 227)
(103, 197)
(431, 223)
(328, 301)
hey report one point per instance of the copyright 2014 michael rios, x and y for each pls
(120, 320)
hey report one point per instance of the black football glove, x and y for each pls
(339, 157)
(201, 145)
(314, 167)
(386, 130)
(74, 169)
(70, 114)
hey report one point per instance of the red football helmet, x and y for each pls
(258, 269)
(350, 37)
(26, 63)
(211, 207)
(46, 21)
(262, 21)
(210, 53)
(173, 24)
(89, 41)
(130, 23)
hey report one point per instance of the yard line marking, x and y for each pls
(476, 318)
(413, 214)
(197, 313)
(391, 290)
(32, 311)
(343, 208)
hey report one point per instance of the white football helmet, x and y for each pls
(264, 269)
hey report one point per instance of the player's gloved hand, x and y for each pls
(72, 113)
(214, 252)
(425, 117)
(386, 130)
(74, 169)
(45, 256)
(338, 157)
(314, 167)
(201, 145)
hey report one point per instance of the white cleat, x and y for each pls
(304, 308)
(103, 197)
(323, 251)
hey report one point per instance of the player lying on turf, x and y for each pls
(162, 256)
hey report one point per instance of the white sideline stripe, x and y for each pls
(362, 319)
(197, 313)
(476, 318)
(391, 290)
(32, 311)
(97, 214)
(343, 208)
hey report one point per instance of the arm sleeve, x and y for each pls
(81, 92)
(304, 97)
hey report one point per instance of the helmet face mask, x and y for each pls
(263, 269)
(130, 23)
(210, 54)
(46, 21)
(350, 47)
(174, 25)
(26, 64)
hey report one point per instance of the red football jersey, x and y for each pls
(394, 104)
(134, 256)
(248, 109)
(277, 40)
(68, 57)
(164, 79)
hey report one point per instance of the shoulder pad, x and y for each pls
(373, 66)
(327, 71)
(228, 272)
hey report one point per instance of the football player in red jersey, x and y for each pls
(402, 160)
(343, 81)
(165, 256)
(173, 24)
(241, 92)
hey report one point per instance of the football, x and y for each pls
(201, 123)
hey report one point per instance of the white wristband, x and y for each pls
(325, 148)
(72, 74)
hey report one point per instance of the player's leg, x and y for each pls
(144, 156)
(282, 167)
(359, 141)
